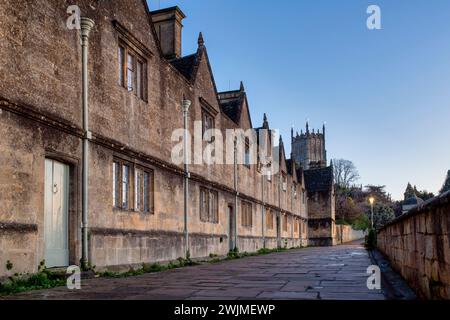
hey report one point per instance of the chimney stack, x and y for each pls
(168, 27)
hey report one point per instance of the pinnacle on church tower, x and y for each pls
(200, 40)
(265, 122)
(292, 134)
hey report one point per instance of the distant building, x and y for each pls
(310, 155)
(410, 203)
(308, 148)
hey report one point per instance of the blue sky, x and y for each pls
(384, 94)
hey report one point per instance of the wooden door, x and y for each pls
(56, 214)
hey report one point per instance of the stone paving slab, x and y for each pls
(311, 273)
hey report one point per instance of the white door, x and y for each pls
(56, 214)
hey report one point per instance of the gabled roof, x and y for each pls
(189, 65)
(152, 28)
(319, 179)
(265, 126)
(289, 164)
(231, 103)
(186, 65)
(282, 155)
(291, 169)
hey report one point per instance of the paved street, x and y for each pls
(310, 273)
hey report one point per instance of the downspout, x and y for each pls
(186, 105)
(279, 211)
(236, 194)
(263, 212)
(86, 26)
(302, 219)
(307, 217)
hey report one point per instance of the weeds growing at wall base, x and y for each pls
(44, 279)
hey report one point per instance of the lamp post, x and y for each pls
(371, 200)
(186, 154)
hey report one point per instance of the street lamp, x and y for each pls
(371, 200)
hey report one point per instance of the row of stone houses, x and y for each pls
(138, 79)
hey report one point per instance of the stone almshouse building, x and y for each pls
(138, 79)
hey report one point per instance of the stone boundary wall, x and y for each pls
(344, 233)
(418, 247)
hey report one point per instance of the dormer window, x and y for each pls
(208, 118)
(132, 57)
(208, 121)
(132, 71)
(247, 153)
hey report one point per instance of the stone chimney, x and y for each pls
(168, 27)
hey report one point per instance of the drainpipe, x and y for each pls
(86, 26)
(236, 193)
(186, 105)
(263, 212)
(279, 211)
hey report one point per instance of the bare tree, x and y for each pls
(345, 173)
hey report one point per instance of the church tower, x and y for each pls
(308, 149)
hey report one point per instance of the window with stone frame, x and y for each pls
(132, 69)
(247, 152)
(132, 187)
(121, 184)
(296, 222)
(246, 214)
(283, 181)
(143, 190)
(207, 123)
(293, 196)
(269, 219)
(285, 223)
(209, 205)
(209, 114)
